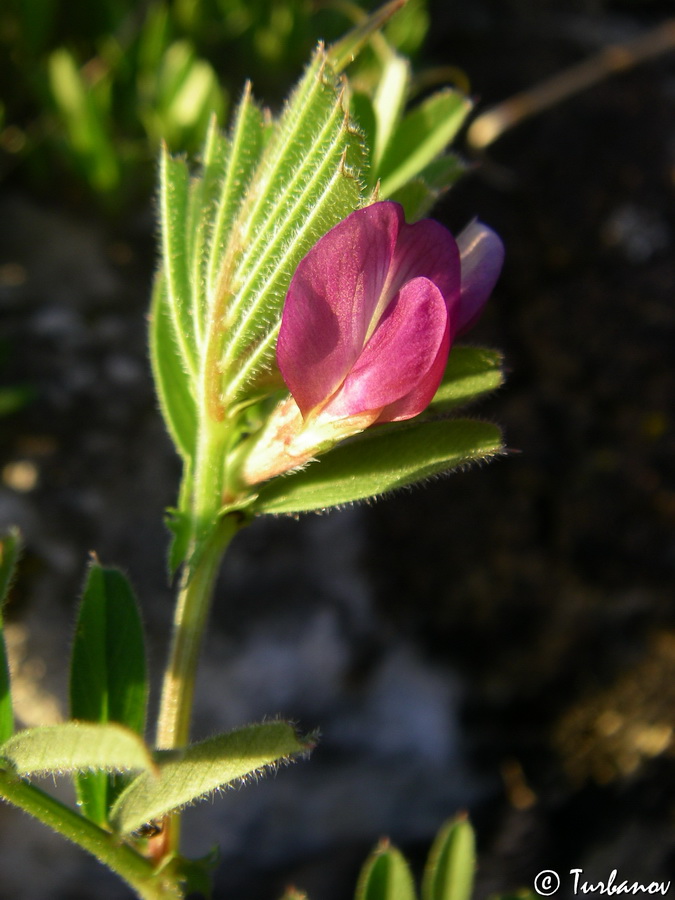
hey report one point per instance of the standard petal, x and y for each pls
(331, 302)
(482, 255)
(404, 358)
(427, 249)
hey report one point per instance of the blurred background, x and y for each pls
(502, 640)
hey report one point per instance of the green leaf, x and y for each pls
(345, 51)
(385, 876)
(76, 747)
(187, 95)
(171, 377)
(226, 178)
(422, 136)
(421, 193)
(408, 30)
(449, 872)
(108, 680)
(180, 525)
(188, 775)
(388, 104)
(108, 672)
(174, 193)
(362, 111)
(470, 373)
(10, 547)
(85, 121)
(443, 172)
(195, 876)
(380, 460)
(306, 182)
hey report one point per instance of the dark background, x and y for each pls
(502, 640)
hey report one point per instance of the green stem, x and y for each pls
(135, 869)
(190, 617)
(194, 600)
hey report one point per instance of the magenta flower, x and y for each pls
(367, 326)
(372, 310)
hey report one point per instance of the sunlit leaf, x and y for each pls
(76, 747)
(185, 776)
(388, 104)
(422, 136)
(174, 205)
(345, 51)
(172, 380)
(307, 181)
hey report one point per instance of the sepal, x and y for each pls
(382, 459)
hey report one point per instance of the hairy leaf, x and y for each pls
(188, 775)
(174, 197)
(76, 747)
(306, 182)
(172, 380)
(228, 188)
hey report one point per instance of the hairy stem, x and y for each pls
(190, 618)
(135, 869)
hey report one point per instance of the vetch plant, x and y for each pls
(302, 337)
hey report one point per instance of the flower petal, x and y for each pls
(482, 255)
(331, 301)
(421, 396)
(427, 249)
(403, 360)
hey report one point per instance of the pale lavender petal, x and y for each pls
(482, 255)
(402, 358)
(331, 302)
